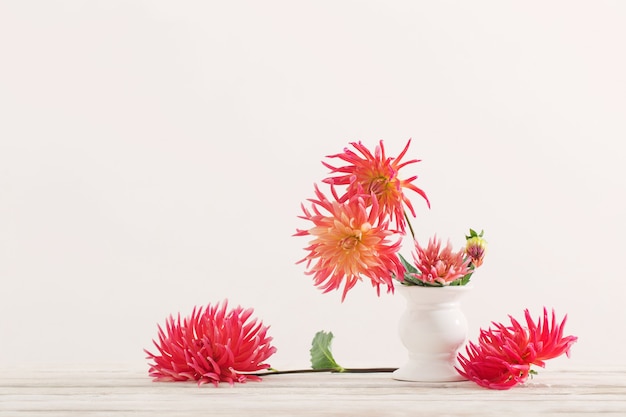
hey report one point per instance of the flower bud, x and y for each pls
(475, 248)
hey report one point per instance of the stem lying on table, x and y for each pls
(332, 370)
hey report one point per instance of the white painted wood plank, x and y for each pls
(122, 393)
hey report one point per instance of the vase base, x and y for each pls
(427, 373)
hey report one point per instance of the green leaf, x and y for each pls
(474, 234)
(464, 280)
(409, 268)
(321, 355)
(409, 279)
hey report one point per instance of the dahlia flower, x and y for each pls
(503, 356)
(437, 266)
(212, 345)
(377, 174)
(350, 241)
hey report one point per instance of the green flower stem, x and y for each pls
(331, 370)
(368, 370)
(406, 216)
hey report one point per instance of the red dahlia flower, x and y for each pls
(212, 345)
(349, 241)
(503, 355)
(377, 174)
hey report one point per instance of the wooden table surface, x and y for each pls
(106, 392)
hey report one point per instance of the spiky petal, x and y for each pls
(546, 336)
(378, 175)
(211, 345)
(349, 242)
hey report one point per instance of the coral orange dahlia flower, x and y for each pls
(349, 242)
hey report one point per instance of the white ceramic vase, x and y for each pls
(432, 328)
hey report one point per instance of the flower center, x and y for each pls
(378, 185)
(349, 242)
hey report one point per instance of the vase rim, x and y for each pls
(445, 287)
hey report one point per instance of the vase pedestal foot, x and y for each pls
(422, 371)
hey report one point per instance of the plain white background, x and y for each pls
(154, 155)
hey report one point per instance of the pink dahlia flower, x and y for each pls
(439, 266)
(377, 174)
(503, 356)
(349, 242)
(212, 345)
